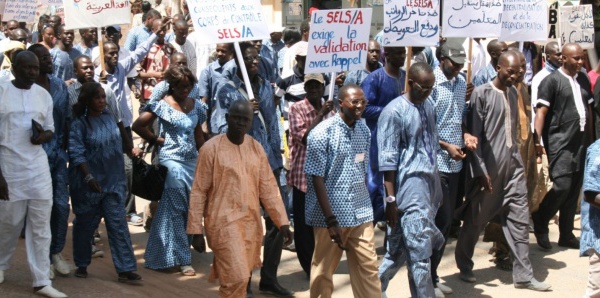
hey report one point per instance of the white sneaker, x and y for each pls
(96, 252)
(51, 292)
(445, 289)
(60, 265)
(51, 274)
(1, 276)
(438, 293)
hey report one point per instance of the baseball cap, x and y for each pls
(275, 28)
(314, 76)
(116, 27)
(455, 51)
(301, 48)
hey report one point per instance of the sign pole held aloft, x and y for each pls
(101, 48)
(331, 86)
(409, 57)
(238, 53)
(470, 63)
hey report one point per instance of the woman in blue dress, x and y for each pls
(178, 138)
(97, 183)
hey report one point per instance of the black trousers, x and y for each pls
(444, 217)
(273, 247)
(562, 197)
(304, 237)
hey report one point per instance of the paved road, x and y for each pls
(562, 268)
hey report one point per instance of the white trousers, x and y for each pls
(37, 235)
(593, 286)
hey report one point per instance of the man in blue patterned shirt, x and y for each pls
(448, 98)
(141, 33)
(57, 158)
(590, 218)
(338, 206)
(407, 139)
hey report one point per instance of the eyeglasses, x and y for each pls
(251, 59)
(357, 102)
(424, 90)
(114, 34)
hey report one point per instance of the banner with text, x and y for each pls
(468, 18)
(338, 40)
(524, 20)
(20, 10)
(51, 2)
(411, 23)
(577, 25)
(228, 20)
(96, 13)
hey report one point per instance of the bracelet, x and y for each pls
(88, 178)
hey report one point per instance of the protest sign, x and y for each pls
(338, 40)
(96, 13)
(552, 20)
(524, 20)
(411, 23)
(469, 18)
(20, 10)
(51, 2)
(577, 25)
(228, 20)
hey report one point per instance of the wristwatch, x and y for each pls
(390, 199)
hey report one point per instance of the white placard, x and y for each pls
(338, 40)
(96, 13)
(228, 20)
(577, 25)
(552, 20)
(20, 10)
(524, 20)
(411, 23)
(472, 18)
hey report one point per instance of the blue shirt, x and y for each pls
(62, 65)
(265, 125)
(269, 51)
(407, 140)
(137, 36)
(83, 50)
(448, 98)
(162, 88)
(356, 77)
(209, 78)
(178, 129)
(590, 215)
(380, 89)
(484, 75)
(339, 154)
(97, 142)
(60, 112)
(117, 81)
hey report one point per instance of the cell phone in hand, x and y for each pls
(36, 128)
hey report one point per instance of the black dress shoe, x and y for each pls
(571, 243)
(543, 241)
(276, 289)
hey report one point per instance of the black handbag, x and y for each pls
(148, 180)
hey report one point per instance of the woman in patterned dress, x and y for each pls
(178, 138)
(97, 183)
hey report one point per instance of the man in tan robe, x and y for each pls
(233, 179)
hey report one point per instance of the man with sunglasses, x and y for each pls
(381, 87)
(448, 98)
(337, 200)
(407, 138)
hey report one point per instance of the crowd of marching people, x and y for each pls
(423, 153)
